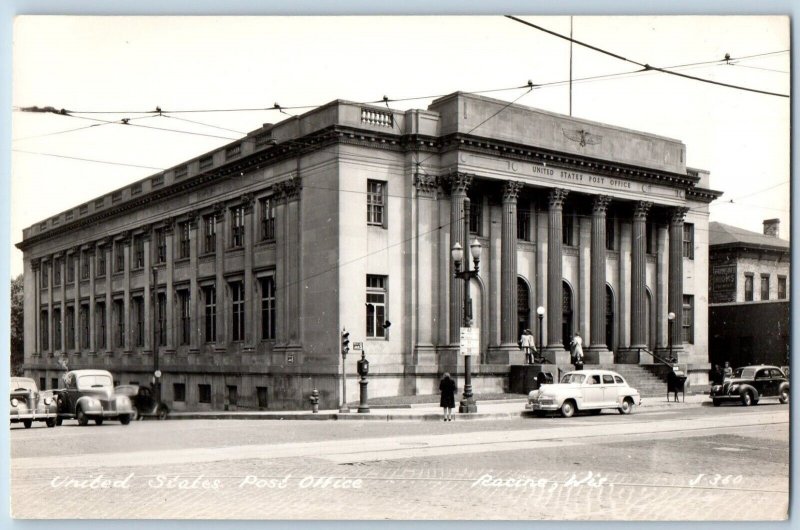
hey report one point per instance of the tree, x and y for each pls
(17, 326)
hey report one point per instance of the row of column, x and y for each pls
(286, 193)
(459, 184)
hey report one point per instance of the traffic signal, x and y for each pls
(345, 342)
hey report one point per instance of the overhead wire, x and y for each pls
(86, 159)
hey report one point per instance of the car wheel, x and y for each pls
(98, 421)
(27, 423)
(51, 422)
(135, 414)
(59, 421)
(784, 396)
(162, 413)
(627, 406)
(83, 420)
(717, 402)
(568, 408)
(125, 419)
(747, 399)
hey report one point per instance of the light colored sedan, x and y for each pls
(590, 390)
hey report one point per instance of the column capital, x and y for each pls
(600, 204)
(426, 183)
(168, 224)
(677, 215)
(35, 264)
(557, 197)
(191, 218)
(289, 189)
(640, 210)
(458, 182)
(511, 190)
(219, 211)
(124, 237)
(247, 201)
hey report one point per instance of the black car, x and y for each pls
(144, 402)
(749, 384)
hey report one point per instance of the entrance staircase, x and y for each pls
(641, 377)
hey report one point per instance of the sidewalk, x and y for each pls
(487, 410)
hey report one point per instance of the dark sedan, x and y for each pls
(749, 384)
(144, 402)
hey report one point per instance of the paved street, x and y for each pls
(729, 463)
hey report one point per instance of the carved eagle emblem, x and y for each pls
(581, 136)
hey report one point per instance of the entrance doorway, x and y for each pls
(566, 314)
(609, 318)
(523, 306)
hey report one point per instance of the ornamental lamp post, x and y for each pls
(467, 404)
(671, 322)
(540, 314)
(156, 370)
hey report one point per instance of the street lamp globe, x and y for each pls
(457, 253)
(540, 311)
(475, 249)
(671, 315)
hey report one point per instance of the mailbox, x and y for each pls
(363, 365)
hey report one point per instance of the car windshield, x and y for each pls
(94, 381)
(744, 373)
(19, 385)
(573, 378)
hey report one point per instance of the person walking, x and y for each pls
(526, 341)
(448, 400)
(577, 351)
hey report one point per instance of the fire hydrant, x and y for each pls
(314, 399)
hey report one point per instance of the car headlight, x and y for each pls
(47, 401)
(14, 402)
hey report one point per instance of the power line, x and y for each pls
(643, 65)
(759, 68)
(85, 159)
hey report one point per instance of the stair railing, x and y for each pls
(657, 358)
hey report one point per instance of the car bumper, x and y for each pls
(33, 416)
(537, 405)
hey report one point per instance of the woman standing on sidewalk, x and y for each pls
(448, 401)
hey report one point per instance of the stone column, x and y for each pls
(662, 275)
(459, 183)
(294, 292)
(194, 293)
(149, 290)
(51, 265)
(169, 231)
(508, 274)
(126, 287)
(425, 268)
(109, 247)
(37, 306)
(249, 339)
(90, 255)
(76, 320)
(598, 350)
(639, 276)
(62, 265)
(676, 276)
(219, 287)
(555, 349)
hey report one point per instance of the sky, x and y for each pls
(127, 66)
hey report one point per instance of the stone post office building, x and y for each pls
(241, 267)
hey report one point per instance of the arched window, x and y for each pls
(523, 306)
(566, 314)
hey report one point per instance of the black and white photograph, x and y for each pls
(472, 268)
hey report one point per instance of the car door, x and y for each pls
(610, 390)
(592, 391)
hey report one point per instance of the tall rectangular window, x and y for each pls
(376, 306)
(748, 287)
(70, 268)
(101, 262)
(57, 272)
(204, 393)
(183, 234)
(233, 394)
(781, 287)
(70, 331)
(209, 234)
(475, 216)
(138, 252)
(267, 308)
(57, 329)
(523, 225)
(376, 200)
(210, 296)
(765, 286)
(119, 317)
(138, 316)
(119, 256)
(45, 327)
(237, 299)
(161, 245)
(178, 392)
(688, 318)
(237, 226)
(85, 257)
(688, 240)
(183, 305)
(567, 228)
(267, 208)
(45, 275)
(611, 243)
(100, 325)
(650, 238)
(161, 323)
(84, 325)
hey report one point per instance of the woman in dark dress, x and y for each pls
(448, 401)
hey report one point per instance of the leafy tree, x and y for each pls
(17, 326)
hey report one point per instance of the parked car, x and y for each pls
(89, 395)
(29, 405)
(590, 390)
(143, 401)
(749, 384)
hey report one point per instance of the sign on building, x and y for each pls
(723, 283)
(470, 341)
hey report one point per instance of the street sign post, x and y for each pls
(358, 346)
(470, 341)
